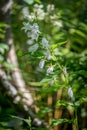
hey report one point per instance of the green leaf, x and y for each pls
(3, 25)
(64, 103)
(2, 36)
(8, 65)
(83, 99)
(35, 83)
(77, 104)
(59, 121)
(28, 121)
(38, 1)
(19, 53)
(83, 73)
(29, 1)
(1, 58)
(58, 44)
(2, 50)
(80, 33)
(45, 110)
(48, 78)
(45, 80)
(4, 46)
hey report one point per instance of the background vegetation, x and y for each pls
(64, 23)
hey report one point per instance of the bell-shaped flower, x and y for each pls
(33, 48)
(34, 34)
(65, 71)
(30, 42)
(70, 94)
(26, 27)
(44, 43)
(48, 56)
(41, 64)
(49, 70)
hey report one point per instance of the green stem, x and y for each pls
(76, 119)
(59, 66)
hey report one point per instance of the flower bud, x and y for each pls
(70, 94)
(41, 64)
(48, 56)
(64, 71)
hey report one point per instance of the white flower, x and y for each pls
(36, 6)
(41, 64)
(27, 14)
(64, 71)
(25, 11)
(30, 42)
(50, 7)
(27, 27)
(33, 48)
(41, 14)
(70, 94)
(49, 70)
(44, 43)
(34, 33)
(58, 23)
(34, 36)
(48, 56)
(39, 11)
(35, 28)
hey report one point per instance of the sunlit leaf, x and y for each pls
(4, 46)
(38, 1)
(59, 121)
(58, 44)
(29, 1)
(80, 33)
(64, 103)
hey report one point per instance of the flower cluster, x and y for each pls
(37, 42)
(34, 42)
(41, 14)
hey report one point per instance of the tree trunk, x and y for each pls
(16, 89)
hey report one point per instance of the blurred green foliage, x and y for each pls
(70, 29)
